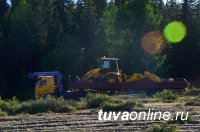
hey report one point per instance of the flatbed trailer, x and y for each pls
(179, 83)
(147, 86)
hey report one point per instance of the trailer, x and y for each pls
(108, 77)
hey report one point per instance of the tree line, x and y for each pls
(69, 37)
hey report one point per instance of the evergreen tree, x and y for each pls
(37, 35)
(182, 56)
(4, 28)
(119, 2)
(54, 26)
(19, 49)
(131, 22)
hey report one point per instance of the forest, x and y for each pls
(68, 36)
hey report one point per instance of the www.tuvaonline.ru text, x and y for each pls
(149, 115)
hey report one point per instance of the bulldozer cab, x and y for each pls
(109, 65)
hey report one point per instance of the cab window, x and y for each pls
(106, 65)
(41, 83)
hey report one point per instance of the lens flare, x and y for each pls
(153, 43)
(175, 32)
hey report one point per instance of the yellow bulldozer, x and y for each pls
(109, 72)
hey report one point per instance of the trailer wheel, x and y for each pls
(111, 79)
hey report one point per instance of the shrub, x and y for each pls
(9, 106)
(121, 105)
(113, 105)
(193, 91)
(13, 106)
(163, 128)
(51, 104)
(44, 105)
(32, 107)
(94, 100)
(81, 104)
(194, 102)
(106, 102)
(3, 113)
(166, 95)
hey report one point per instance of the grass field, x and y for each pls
(52, 114)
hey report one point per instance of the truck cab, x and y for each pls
(47, 83)
(44, 85)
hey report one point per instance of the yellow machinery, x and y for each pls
(109, 72)
(47, 83)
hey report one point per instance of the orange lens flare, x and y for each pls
(153, 43)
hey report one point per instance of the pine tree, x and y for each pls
(4, 24)
(181, 58)
(100, 7)
(54, 26)
(119, 2)
(19, 48)
(3, 8)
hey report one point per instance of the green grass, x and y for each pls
(44, 105)
(194, 102)
(93, 101)
(193, 91)
(13, 106)
(3, 113)
(163, 128)
(185, 98)
(107, 103)
(96, 100)
(9, 106)
(166, 96)
(121, 105)
(59, 105)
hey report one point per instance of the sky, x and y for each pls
(9, 2)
